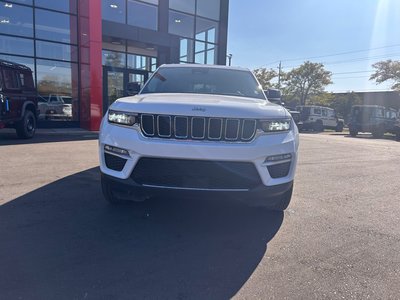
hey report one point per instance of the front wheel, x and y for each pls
(26, 128)
(339, 127)
(353, 132)
(283, 201)
(378, 133)
(318, 126)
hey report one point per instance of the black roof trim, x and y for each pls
(10, 64)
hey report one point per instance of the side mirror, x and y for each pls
(133, 88)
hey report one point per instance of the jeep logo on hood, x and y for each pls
(197, 108)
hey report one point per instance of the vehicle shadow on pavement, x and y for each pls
(63, 241)
(10, 138)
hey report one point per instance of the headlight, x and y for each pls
(122, 118)
(275, 125)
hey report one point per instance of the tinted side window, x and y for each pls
(379, 113)
(317, 111)
(324, 113)
(10, 79)
(53, 99)
(26, 80)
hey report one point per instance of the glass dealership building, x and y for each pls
(84, 52)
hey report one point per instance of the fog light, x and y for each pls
(116, 150)
(278, 158)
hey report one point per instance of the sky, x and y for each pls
(348, 36)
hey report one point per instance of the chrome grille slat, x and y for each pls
(169, 126)
(210, 128)
(179, 136)
(198, 128)
(229, 127)
(198, 137)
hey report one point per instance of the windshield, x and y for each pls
(203, 80)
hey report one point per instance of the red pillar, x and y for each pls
(90, 45)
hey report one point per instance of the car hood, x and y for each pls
(200, 105)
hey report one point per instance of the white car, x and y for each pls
(199, 130)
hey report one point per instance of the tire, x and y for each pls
(283, 201)
(318, 126)
(353, 132)
(339, 127)
(26, 128)
(378, 133)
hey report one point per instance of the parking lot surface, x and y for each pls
(339, 239)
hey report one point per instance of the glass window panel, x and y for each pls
(186, 50)
(205, 30)
(14, 45)
(56, 51)
(57, 81)
(155, 2)
(16, 19)
(20, 60)
(142, 15)
(28, 2)
(200, 58)
(183, 5)
(115, 45)
(153, 64)
(210, 46)
(181, 24)
(113, 59)
(200, 46)
(208, 8)
(113, 10)
(211, 38)
(61, 5)
(184, 47)
(211, 57)
(201, 36)
(55, 26)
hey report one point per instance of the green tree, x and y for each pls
(342, 103)
(308, 79)
(323, 99)
(388, 70)
(265, 76)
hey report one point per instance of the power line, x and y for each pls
(355, 72)
(353, 60)
(334, 54)
(335, 78)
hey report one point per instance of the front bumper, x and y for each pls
(255, 152)
(128, 189)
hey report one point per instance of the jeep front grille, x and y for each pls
(198, 128)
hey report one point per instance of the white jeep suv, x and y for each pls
(197, 130)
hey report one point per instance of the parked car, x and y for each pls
(375, 119)
(18, 99)
(275, 96)
(55, 107)
(397, 128)
(199, 129)
(319, 118)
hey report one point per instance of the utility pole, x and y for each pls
(279, 74)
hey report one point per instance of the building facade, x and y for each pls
(83, 53)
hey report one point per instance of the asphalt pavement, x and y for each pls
(339, 238)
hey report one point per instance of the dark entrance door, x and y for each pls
(115, 82)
